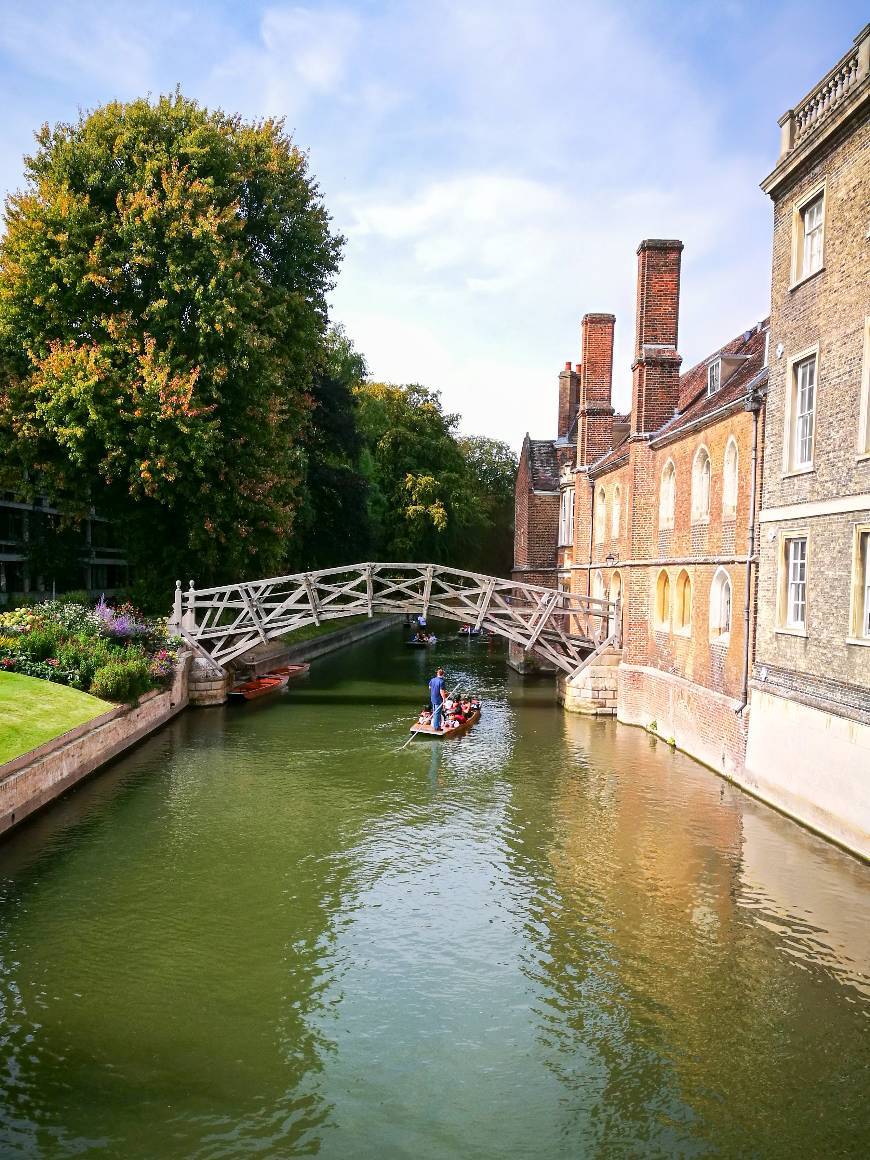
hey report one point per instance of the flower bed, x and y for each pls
(112, 653)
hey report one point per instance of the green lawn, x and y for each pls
(34, 711)
(312, 630)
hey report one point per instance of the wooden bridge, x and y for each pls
(223, 623)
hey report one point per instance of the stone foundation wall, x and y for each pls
(704, 724)
(812, 765)
(595, 691)
(38, 777)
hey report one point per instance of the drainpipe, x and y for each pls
(754, 405)
(591, 482)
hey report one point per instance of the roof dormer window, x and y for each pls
(714, 371)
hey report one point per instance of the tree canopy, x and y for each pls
(163, 278)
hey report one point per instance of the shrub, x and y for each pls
(40, 643)
(121, 680)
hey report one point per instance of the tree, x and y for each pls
(492, 471)
(162, 308)
(333, 526)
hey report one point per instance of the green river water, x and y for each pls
(269, 932)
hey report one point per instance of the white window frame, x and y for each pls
(714, 376)
(799, 237)
(864, 411)
(719, 630)
(702, 485)
(794, 571)
(667, 495)
(859, 613)
(566, 518)
(730, 481)
(616, 513)
(792, 426)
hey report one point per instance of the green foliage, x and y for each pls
(121, 681)
(162, 305)
(432, 494)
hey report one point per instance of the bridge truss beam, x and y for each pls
(224, 622)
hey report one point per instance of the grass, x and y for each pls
(34, 711)
(314, 630)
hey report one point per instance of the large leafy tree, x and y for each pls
(433, 494)
(162, 310)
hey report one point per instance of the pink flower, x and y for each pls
(53, 661)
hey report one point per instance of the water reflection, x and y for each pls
(274, 931)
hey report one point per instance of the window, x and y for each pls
(864, 416)
(683, 612)
(600, 516)
(663, 601)
(861, 585)
(801, 413)
(808, 236)
(714, 372)
(720, 604)
(566, 517)
(701, 471)
(729, 481)
(667, 495)
(796, 583)
(616, 514)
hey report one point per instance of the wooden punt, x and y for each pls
(421, 643)
(260, 686)
(427, 731)
(292, 671)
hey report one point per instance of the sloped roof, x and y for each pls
(543, 467)
(695, 404)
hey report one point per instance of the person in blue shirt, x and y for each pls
(436, 696)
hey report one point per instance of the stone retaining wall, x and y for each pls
(32, 780)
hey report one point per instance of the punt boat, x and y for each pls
(414, 643)
(427, 731)
(260, 686)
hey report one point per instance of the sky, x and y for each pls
(493, 164)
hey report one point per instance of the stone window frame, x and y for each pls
(566, 518)
(730, 482)
(662, 602)
(864, 410)
(797, 275)
(616, 513)
(721, 580)
(667, 515)
(859, 601)
(683, 626)
(789, 465)
(701, 495)
(786, 537)
(600, 514)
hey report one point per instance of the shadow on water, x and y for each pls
(271, 930)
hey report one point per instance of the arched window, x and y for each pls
(616, 513)
(600, 515)
(683, 608)
(720, 605)
(701, 471)
(667, 495)
(615, 592)
(663, 601)
(729, 481)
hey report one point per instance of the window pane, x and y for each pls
(805, 412)
(797, 583)
(866, 581)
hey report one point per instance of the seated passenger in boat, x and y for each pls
(425, 717)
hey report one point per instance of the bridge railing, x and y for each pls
(224, 621)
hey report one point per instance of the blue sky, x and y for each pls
(493, 164)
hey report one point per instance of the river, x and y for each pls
(270, 931)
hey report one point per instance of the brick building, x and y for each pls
(656, 510)
(809, 746)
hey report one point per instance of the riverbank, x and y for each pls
(34, 711)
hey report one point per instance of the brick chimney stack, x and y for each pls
(569, 393)
(656, 369)
(595, 422)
